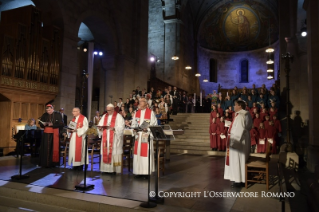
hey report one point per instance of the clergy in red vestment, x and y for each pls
(77, 140)
(111, 127)
(213, 134)
(257, 121)
(262, 139)
(271, 137)
(221, 134)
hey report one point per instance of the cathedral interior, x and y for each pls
(87, 54)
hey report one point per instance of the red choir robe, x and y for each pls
(253, 136)
(212, 115)
(262, 116)
(266, 124)
(213, 138)
(262, 134)
(228, 119)
(277, 125)
(217, 120)
(220, 111)
(271, 134)
(271, 114)
(257, 122)
(247, 108)
(221, 141)
(230, 113)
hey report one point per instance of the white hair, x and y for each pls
(110, 105)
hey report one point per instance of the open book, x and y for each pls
(227, 123)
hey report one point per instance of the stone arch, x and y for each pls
(103, 29)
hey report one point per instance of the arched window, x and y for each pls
(244, 70)
(212, 70)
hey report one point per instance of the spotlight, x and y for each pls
(197, 75)
(303, 31)
(270, 77)
(95, 52)
(85, 49)
(188, 67)
(152, 59)
(100, 53)
(205, 80)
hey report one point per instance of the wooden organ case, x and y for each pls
(30, 55)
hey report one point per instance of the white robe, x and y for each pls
(239, 147)
(140, 164)
(117, 151)
(80, 132)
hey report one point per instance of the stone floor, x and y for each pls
(184, 173)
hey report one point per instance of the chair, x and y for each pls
(258, 169)
(94, 145)
(64, 145)
(160, 156)
(127, 150)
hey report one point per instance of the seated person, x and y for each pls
(30, 125)
(158, 116)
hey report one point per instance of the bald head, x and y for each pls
(76, 111)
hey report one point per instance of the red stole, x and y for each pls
(228, 141)
(56, 141)
(107, 158)
(144, 146)
(78, 139)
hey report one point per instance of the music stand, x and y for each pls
(19, 136)
(84, 186)
(158, 135)
(149, 204)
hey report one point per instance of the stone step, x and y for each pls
(185, 143)
(195, 136)
(191, 140)
(198, 152)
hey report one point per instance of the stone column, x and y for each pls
(312, 8)
(69, 69)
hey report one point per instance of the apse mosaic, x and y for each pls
(238, 26)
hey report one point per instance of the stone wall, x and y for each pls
(228, 68)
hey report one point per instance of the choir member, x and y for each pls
(220, 109)
(266, 122)
(262, 139)
(253, 139)
(228, 102)
(213, 134)
(271, 137)
(250, 102)
(217, 118)
(257, 120)
(277, 123)
(263, 113)
(221, 132)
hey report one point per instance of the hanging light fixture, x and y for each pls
(175, 57)
(270, 61)
(205, 80)
(270, 69)
(188, 67)
(197, 75)
(270, 77)
(270, 50)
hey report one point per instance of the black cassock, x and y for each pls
(46, 148)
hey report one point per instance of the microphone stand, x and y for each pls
(84, 186)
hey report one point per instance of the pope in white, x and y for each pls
(141, 146)
(111, 128)
(238, 144)
(77, 140)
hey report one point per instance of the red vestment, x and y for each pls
(271, 133)
(266, 124)
(262, 134)
(213, 138)
(257, 122)
(253, 136)
(220, 111)
(221, 129)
